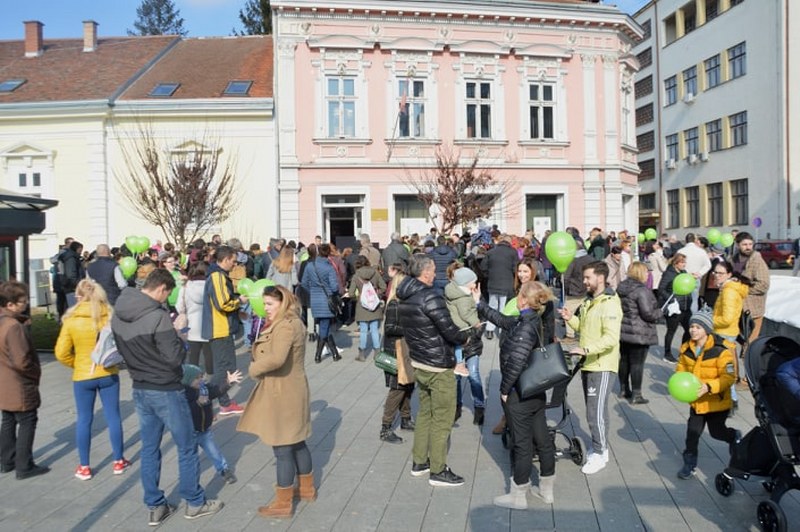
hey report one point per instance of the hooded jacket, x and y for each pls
(728, 307)
(714, 366)
(640, 312)
(429, 331)
(220, 305)
(464, 314)
(442, 257)
(147, 341)
(500, 266)
(76, 341)
(362, 275)
(665, 289)
(598, 320)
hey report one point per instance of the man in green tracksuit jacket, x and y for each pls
(598, 319)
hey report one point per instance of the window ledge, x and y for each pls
(480, 142)
(341, 140)
(413, 141)
(544, 143)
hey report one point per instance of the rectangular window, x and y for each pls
(737, 60)
(693, 206)
(645, 141)
(541, 106)
(714, 192)
(411, 122)
(689, 20)
(672, 146)
(738, 124)
(690, 81)
(647, 202)
(643, 87)
(37, 179)
(674, 208)
(671, 90)
(644, 115)
(645, 58)
(647, 169)
(739, 201)
(691, 138)
(479, 110)
(712, 71)
(341, 98)
(712, 10)
(714, 135)
(23, 180)
(646, 27)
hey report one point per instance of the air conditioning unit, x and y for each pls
(704, 156)
(693, 158)
(688, 97)
(671, 164)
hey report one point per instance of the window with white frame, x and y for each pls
(30, 182)
(411, 106)
(671, 90)
(541, 106)
(712, 71)
(738, 124)
(672, 146)
(690, 81)
(479, 109)
(340, 97)
(737, 60)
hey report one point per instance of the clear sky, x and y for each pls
(63, 18)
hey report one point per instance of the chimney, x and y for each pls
(89, 35)
(34, 45)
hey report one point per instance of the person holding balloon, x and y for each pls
(190, 304)
(676, 306)
(704, 375)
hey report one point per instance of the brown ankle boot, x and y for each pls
(281, 505)
(500, 427)
(306, 490)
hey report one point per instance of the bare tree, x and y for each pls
(184, 193)
(461, 192)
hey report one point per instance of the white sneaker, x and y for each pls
(595, 462)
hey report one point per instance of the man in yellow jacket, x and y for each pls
(598, 320)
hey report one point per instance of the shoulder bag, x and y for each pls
(335, 303)
(547, 367)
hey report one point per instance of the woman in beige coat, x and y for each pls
(278, 408)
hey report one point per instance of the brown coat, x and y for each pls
(758, 272)
(20, 370)
(278, 409)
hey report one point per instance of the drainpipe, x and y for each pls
(787, 120)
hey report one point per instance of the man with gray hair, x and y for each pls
(431, 336)
(107, 273)
(369, 251)
(394, 253)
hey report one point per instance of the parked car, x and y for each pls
(776, 253)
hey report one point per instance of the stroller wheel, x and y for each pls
(768, 486)
(724, 485)
(578, 451)
(771, 517)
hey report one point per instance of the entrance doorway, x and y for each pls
(342, 218)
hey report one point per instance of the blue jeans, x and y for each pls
(459, 354)
(497, 302)
(370, 327)
(158, 410)
(475, 384)
(206, 441)
(247, 322)
(85, 394)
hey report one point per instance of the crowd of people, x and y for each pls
(436, 298)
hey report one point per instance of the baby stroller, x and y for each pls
(557, 401)
(772, 449)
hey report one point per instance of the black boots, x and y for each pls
(406, 423)
(388, 435)
(689, 465)
(318, 353)
(362, 355)
(477, 418)
(332, 348)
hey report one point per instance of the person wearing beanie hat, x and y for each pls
(711, 359)
(199, 394)
(464, 313)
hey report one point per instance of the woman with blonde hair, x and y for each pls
(278, 410)
(640, 312)
(79, 332)
(283, 270)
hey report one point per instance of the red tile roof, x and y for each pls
(204, 66)
(64, 72)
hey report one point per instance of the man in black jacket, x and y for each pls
(431, 336)
(500, 266)
(153, 353)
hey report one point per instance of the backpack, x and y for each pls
(746, 325)
(369, 296)
(105, 352)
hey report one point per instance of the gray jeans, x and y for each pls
(596, 389)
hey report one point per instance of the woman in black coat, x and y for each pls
(676, 266)
(525, 417)
(640, 312)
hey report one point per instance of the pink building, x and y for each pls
(540, 90)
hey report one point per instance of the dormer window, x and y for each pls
(10, 85)
(238, 88)
(164, 90)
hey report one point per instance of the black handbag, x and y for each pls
(547, 367)
(336, 303)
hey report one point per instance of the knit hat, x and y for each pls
(464, 276)
(704, 319)
(190, 373)
(164, 255)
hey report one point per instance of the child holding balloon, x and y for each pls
(709, 358)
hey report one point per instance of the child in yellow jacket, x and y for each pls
(711, 359)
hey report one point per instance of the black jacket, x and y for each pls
(203, 415)
(522, 337)
(665, 290)
(573, 276)
(147, 341)
(429, 331)
(73, 271)
(442, 256)
(500, 266)
(393, 331)
(640, 312)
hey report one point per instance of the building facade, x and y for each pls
(366, 92)
(716, 115)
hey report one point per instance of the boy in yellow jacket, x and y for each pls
(711, 359)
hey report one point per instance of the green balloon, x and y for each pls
(683, 284)
(245, 286)
(640, 237)
(684, 386)
(128, 266)
(172, 299)
(256, 296)
(713, 235)
(726, 240)
(651, 234)
(511, 308)
(560, 250)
